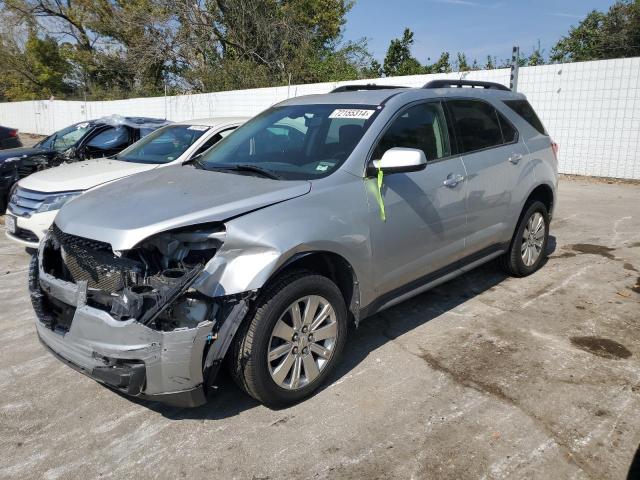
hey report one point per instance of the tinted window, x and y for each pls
(213, 140)
(164, 145)
(423, 127)
(525, 110)
(477, 125)
(110, 138)
(509, 133)
(295, 141)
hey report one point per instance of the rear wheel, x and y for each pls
(528, 247)
(293, 340)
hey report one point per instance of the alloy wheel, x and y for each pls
(533, 239)
(302, 342)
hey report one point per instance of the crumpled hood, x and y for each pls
(10, 153)
(125, 212)
(82, 175)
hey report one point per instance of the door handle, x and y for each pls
(515, 158)
(452, 180)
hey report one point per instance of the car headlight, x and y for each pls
(55, 202)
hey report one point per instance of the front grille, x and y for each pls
(94, 262)
(25, 202)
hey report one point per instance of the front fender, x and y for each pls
(257, 245)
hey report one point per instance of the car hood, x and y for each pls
(10, 153)
(126, 212)
(82, 175)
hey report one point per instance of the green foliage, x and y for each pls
(613, 34)
(462, 65)
(109, 49)
(37, 71)
(399, 60)
(442, 65)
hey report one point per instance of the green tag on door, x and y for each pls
(383, 215)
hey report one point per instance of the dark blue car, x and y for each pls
(91, 139)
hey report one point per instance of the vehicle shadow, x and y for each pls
(634, 469)
(372, 333)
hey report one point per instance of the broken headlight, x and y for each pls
(158, 293)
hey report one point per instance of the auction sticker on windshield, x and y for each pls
(351, 113)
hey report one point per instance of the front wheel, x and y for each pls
(292, 341)
(528, 247)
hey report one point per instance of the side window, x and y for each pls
(509, 133)
(525, 110)
(423, 127)
(477, 125)
(111, 138)
(210, 142)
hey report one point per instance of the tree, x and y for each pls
(32, 69)
(461, 64)
(491, 63)
(399, 60)
(442, 65)
(601, 35)
(536, 57)
(117, 48)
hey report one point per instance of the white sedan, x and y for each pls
(37, 198)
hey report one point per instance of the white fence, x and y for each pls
(592, 109)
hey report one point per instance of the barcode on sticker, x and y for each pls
(351, 113)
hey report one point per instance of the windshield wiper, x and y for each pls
(196, 162)
(256, 169)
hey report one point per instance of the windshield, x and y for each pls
(67, 137)
(164, 145)
(298, 142)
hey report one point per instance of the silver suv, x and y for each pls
(320, 211)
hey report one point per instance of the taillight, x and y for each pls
(13, 133)
(555, 147)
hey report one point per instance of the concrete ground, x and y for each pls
(484, 377)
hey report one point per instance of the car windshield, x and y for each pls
(298, 142)
(67, 137)
(163, 145)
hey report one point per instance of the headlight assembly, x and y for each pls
(55, 202)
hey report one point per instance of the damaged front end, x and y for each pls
(133, 319)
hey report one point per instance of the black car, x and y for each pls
(91, 139)
(9, 138)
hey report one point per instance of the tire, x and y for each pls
(514, 261)
(250, 365)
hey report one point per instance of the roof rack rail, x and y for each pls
(368, 86)
(444, 83)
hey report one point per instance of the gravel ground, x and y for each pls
(483, 377)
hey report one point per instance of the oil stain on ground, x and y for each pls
(602, 347)
(588, 248)
(592, 249)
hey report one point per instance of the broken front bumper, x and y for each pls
(124, 355)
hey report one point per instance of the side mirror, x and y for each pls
(399, 159)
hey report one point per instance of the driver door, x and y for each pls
(425, 222)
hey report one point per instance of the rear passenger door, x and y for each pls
(493, 159)
(425, 222)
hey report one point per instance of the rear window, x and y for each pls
(478, 125)
(525, 110)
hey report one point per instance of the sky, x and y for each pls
(475, 27)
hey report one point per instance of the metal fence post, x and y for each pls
(515, 58)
